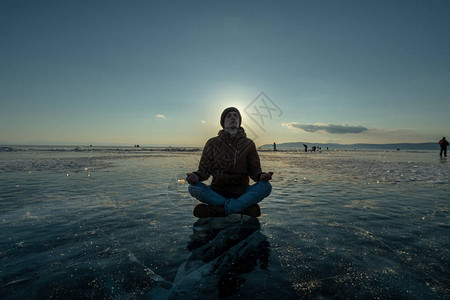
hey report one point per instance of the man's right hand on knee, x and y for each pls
(192, 178)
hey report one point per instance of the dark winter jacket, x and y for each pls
(230, 161)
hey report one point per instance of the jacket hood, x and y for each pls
(225, 135)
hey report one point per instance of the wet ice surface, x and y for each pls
(112, 224)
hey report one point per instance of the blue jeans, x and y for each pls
(254, 194)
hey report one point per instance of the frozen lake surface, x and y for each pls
(109, 223)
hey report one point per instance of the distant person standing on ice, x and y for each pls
(444, 145)
(231, 158)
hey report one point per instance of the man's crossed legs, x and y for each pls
(253, 195)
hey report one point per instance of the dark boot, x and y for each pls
(252, 211)
(207, 211)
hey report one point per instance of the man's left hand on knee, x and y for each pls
(265, 176)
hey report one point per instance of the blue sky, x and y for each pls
(161, 72)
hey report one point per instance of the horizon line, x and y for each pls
(179, 145)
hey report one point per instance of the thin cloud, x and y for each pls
(161, 116)
(329, 128)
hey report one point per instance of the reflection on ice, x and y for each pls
(229, 256)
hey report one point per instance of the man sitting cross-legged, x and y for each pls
(231, 158)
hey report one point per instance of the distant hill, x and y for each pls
(401, 146)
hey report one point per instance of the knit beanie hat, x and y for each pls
(227, 110)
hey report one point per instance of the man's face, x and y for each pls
(231, 120)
